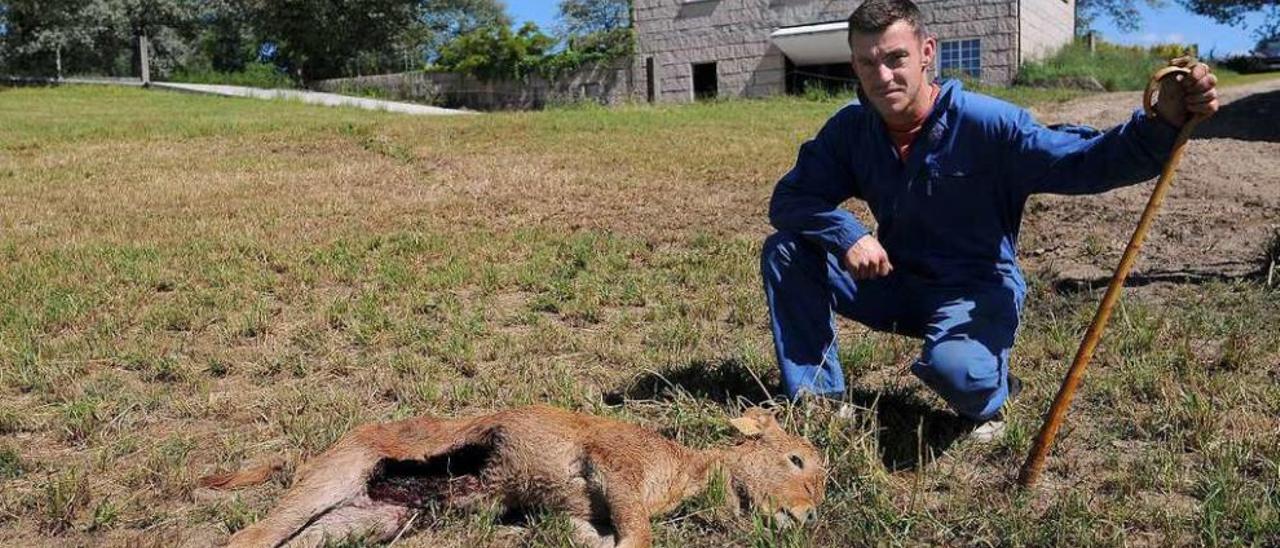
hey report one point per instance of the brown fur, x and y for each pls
(608, 476)
(246, 477)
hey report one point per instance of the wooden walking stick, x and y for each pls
(1035, 460)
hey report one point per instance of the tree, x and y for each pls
(496, 53)
(595, 30)
(319, 39)
(1236, 12)
(38, 32)
(226, 40)
(169, 27)
(95, 36)
(1124, 13)
(443, 21)
(585, 17)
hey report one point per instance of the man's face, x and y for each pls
(891, 67)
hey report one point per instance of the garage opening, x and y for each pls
(817, 57)
(831, 78)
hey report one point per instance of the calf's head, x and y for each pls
(775, 473)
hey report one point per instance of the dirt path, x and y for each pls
(1220, 219)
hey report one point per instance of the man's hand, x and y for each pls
(1183, 96)
(866, 259)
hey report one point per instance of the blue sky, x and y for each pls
(1172, 23)
(1168, 24)
(542, 12)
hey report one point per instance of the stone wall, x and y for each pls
(603, 83)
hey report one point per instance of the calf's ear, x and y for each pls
(755, 422)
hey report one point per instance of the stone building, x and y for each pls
(689, 49)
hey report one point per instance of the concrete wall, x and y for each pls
(735, 35)
(1045, 27)
(604, 83)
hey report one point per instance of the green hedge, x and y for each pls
(256, 75)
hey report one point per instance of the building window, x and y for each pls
(704, 81)
(960, 57)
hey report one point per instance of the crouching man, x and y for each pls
(946, 173)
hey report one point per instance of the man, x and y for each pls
(946, 174)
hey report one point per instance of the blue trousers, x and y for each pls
(967, 331)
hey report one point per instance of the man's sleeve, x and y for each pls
(1083, 160)
(807, 199)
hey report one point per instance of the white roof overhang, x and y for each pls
(820, 44)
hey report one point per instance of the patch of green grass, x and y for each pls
(106, 513)
(11, 465)
(1228, 77)
(233, 515)
(81, 419)
(258, 75)
(60, 499)
(1116, 68)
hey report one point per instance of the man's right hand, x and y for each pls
(866, 259)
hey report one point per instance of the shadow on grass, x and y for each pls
(911, 431)
(724, 382)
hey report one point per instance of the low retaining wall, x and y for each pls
(601, 83)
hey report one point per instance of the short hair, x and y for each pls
(874, 16)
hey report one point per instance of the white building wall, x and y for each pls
(1045, 27)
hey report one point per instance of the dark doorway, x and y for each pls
(649, 79)
(835, 78)
(705, 85)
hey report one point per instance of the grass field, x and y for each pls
(191, 284)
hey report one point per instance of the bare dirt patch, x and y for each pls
(1217, 222)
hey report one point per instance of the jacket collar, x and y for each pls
(934, 126)
(948, 95)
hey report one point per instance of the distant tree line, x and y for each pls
(304, 39)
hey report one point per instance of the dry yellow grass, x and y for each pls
(190, 284)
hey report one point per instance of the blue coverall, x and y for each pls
(947, 217)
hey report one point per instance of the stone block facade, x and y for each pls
(675, 35)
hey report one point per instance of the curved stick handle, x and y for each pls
(1153, 85)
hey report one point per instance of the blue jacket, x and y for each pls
(949, 215)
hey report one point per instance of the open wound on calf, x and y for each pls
(451, 478)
